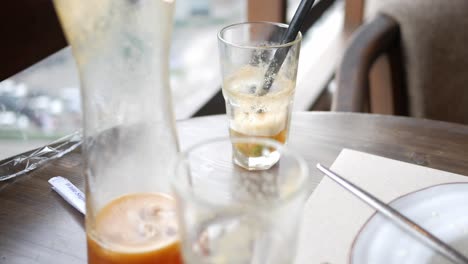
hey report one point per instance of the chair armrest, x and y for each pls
(367, 44)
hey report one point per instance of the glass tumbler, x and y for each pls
(259, 79)
(130, 143)
(231, 215)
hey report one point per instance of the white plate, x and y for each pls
(441, 209)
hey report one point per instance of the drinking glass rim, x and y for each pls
(188, 192)
(274, 46)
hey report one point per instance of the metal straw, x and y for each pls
(290, 35)
(398, 219)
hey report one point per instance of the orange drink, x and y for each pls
(129, 133)
(137, 228)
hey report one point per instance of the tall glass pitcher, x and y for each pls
(122, 49)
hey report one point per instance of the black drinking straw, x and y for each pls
(288, 36)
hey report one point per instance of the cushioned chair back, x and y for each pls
(434, 37)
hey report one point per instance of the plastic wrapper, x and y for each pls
(30, 160)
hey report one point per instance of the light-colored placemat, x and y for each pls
(333, 217)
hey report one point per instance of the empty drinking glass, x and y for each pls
(231, 215)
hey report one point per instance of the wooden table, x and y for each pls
(37, 226)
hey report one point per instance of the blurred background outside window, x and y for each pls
(42, 102)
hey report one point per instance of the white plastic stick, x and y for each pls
(69, 192)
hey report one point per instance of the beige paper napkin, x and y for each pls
(333, 216)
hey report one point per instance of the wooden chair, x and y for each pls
(380, 36)
(29, 32)
(385, 35)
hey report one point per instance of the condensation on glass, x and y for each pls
(130, 143)
(248, 52)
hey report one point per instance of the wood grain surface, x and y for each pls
(37, 226)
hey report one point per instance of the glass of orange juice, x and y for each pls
(121, 49)
(231, 215)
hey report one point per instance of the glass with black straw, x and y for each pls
(259, 62)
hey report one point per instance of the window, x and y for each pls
(42, 103)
